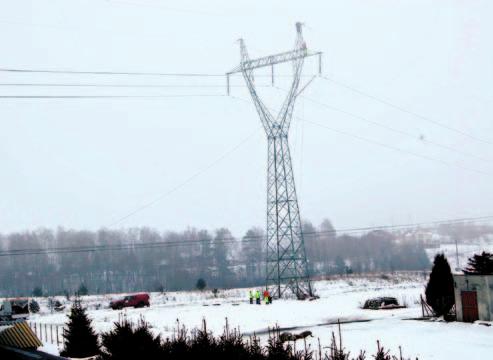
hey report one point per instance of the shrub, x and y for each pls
(33, 306)
(381, 353)
(127, 341)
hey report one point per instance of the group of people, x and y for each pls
(256, 295)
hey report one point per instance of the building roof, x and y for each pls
(19, 335)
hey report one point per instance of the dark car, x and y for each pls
(382, 303)
(136, 300)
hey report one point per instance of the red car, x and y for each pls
(136, 300)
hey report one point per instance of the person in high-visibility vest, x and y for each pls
(250, 295)
(257, 297)
(266, 296)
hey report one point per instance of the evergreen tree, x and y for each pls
(82, 290)
(480, 264)
(221, 255)
(340, 265)
(126, 341)
(201, 284)
(252, 255)
(80, 338)
(440, 288)
(37, 291)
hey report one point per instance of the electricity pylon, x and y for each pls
(287, 268)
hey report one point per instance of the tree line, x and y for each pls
(178, 259)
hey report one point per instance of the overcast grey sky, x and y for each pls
(87, 163)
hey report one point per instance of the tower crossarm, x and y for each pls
(274, 60)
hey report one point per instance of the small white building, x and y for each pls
(473, 297)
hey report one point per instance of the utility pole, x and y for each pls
(286, 263)
(457, 264)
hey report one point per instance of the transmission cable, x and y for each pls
(402, 109)
(121, 85)
(56, 71)
(390, 128)
(233, 240)
(374, 142)
(105, 96)
(186, 181)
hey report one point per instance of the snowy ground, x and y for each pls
(340, 299)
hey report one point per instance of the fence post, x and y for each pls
(51, 333)
(57, 341)
(46, 333)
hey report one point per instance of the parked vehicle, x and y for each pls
(382, 303)
(12, 309)
(55, 305)
(135, 300)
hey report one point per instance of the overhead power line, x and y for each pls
(233, 240)
(120, 85)
(390, 128)
(137, 73)
(104, 96)
(130, 73)
(185, 182)
(390, 147)
(415, 154)
(407, 111)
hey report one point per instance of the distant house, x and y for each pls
(473, 297)
(427, 237)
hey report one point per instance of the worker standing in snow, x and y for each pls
(250, 295)
(257, 297)
(266, 297)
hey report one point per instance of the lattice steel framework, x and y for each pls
(287, 269)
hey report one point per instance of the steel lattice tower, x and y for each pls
(287, 269)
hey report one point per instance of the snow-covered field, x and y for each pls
(340, 299)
